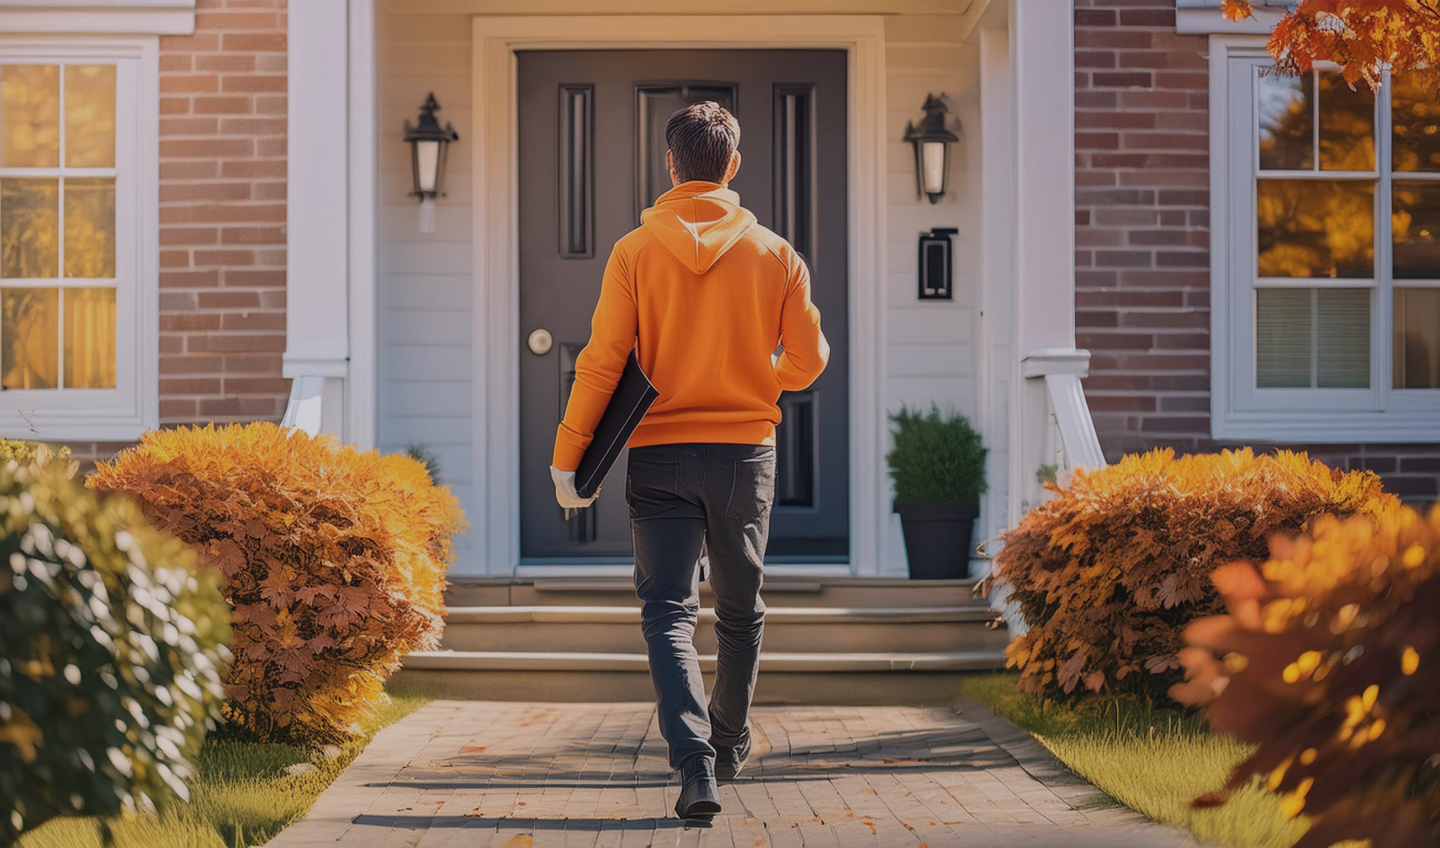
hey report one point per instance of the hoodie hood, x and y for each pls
(697, 221)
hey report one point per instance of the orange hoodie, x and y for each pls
(704, 295)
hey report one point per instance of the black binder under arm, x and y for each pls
(632, 398)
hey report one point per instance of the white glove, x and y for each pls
(565, 494)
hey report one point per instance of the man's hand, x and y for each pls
(565, 494)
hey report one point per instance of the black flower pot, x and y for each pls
(938, 539)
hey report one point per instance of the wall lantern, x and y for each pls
(428, 144)
(932, 148)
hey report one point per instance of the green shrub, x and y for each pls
(936, 458)
(111, 653)
(426, 456)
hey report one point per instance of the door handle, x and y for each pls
(540, 341)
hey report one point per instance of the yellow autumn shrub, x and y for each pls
(1328, 661)
(333, 562)
(1108, 572)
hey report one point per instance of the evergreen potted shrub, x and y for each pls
(938, 465)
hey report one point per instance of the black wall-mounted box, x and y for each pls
(936, 265)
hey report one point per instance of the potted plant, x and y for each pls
(938, 465)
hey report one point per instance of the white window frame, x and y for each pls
(1238, 410)
(122, 413)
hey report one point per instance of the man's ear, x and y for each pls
(733, 168)
(670, 166)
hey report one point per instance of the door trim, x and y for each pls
(495, 243)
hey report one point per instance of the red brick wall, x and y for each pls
(1142, 234)
(222, 218)
(222, 215)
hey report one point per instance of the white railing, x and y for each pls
(315, 405)
(1061, 369)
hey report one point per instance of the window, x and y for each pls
(77, 252)
(1325, 255)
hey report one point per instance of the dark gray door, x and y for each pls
(592, 155)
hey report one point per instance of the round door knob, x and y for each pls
(540, 342)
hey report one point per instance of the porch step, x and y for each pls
(785, 678)
(788, 630)
(828, 592)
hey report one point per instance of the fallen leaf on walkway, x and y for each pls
(521, 840)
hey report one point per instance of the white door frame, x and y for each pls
(494, 152)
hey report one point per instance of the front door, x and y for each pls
(592, 156)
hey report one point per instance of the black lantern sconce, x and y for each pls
(932, 142)
(429, 143)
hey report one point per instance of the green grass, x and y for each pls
(1152, 760)
(241, 796)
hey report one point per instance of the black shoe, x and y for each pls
(698, 796)
(729, 761)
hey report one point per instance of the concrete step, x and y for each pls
(788, 630)
(830, 592)
(785, 678)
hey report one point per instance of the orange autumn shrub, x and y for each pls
(1328, 661)
(333, 562)
(1108, 572)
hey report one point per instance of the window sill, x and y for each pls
(57, 429)
(108, 17)
(1399, 427)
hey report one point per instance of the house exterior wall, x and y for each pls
(426, 280)
(1142, 231)
(222, 214)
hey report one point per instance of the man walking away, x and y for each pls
(704, 295)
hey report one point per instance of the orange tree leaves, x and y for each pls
(1108, 572)
(1363, 37)
(1328, 660)
(333, 562)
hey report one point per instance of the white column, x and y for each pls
(1042, 69)
(317, 337)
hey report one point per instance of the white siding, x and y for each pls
(931, 353)
(425, 278)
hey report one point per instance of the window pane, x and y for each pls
(1416, 222)
(90, 338)
(1283, 320)
(29, 228)
(29, 116)
(1417, 338)
(1316, 228)
(90, 227)
(1287, 121)
(1417, 126)
(90, 116)
(29, 338)
(1342, 335)
(1347, 125)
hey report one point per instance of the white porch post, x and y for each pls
(1047, 389)
(329, 207)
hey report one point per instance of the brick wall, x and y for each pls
(222, 218)
(1142, 234)
(222, 215)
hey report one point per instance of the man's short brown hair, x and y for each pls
(702, 137)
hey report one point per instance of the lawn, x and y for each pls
(241, 797)
(1152, 760)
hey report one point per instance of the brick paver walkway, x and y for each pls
(509, 775)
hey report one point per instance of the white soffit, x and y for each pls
(1202, 17)
(98, 17)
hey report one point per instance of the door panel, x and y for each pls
(592, 156)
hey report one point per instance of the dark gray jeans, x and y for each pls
(687, 501)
